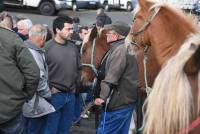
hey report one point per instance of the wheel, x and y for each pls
(129, 7)
(47, 8)
(74, 7)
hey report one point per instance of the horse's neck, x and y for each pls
(165, 50)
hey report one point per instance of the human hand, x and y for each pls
(98, 101)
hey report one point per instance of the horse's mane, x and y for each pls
(170, 106)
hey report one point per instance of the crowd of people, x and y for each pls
(40, 75)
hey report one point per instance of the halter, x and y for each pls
(145, 49)
(91, 64)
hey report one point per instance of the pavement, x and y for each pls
(87, 126)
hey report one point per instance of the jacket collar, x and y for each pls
(33, 46)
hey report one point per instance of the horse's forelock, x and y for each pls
(87, 37)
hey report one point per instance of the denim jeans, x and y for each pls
(14, 126)
(60, 121)
(35, 125)
(78, 107)
(116, 122)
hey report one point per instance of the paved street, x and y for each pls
(86, 16)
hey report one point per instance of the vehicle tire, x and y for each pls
(47, 8)
(74, 7)
(129, 7)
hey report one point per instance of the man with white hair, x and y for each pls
(24, 27)
(36, 109)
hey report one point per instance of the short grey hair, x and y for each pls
(26, 22)
(38, 30)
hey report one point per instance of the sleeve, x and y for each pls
(115, 68)
(28, 68)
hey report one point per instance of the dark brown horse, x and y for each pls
(171, 42)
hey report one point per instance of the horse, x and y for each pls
(94, 48)
(169, 40)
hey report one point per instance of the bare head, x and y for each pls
(7, 22)
(100, 11)
(83, 31)
(37, 35)
(63, 28)
(24, 26)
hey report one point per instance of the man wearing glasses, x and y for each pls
(63, 65)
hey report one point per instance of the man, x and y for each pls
(83, 31)
(36, 109)
(19, 76)
(102, 18)
(63, 64)
(120, 85)
(23, 27)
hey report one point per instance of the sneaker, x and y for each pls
(84, 116)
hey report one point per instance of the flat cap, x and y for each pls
(120, 27)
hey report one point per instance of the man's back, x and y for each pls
(19, 75)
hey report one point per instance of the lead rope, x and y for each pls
(145, 60)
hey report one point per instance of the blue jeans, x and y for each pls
(60, 121)
(78, 107)
(14, 126)
(35, 125)
(116, 122)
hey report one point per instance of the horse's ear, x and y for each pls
(145, 4)
(93, 33)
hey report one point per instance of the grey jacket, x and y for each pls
(122, 74)
(19, 75)
(38, 106)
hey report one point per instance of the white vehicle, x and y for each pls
(183, 4)
(46, 7)
(121, 4)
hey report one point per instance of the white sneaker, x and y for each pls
(84, 116)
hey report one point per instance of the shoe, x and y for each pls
(84, 116)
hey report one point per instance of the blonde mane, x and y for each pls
(170, 106)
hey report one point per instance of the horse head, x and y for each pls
(93, 50)
(171, 40)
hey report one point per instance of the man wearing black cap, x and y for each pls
(120, 85)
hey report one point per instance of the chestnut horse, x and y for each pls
(171, 40)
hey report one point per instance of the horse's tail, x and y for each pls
(170, 105)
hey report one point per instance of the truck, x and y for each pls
(46, 7)
(129, 5)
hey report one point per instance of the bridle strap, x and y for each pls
(147, 21)
(145, 49)
(91, 65)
